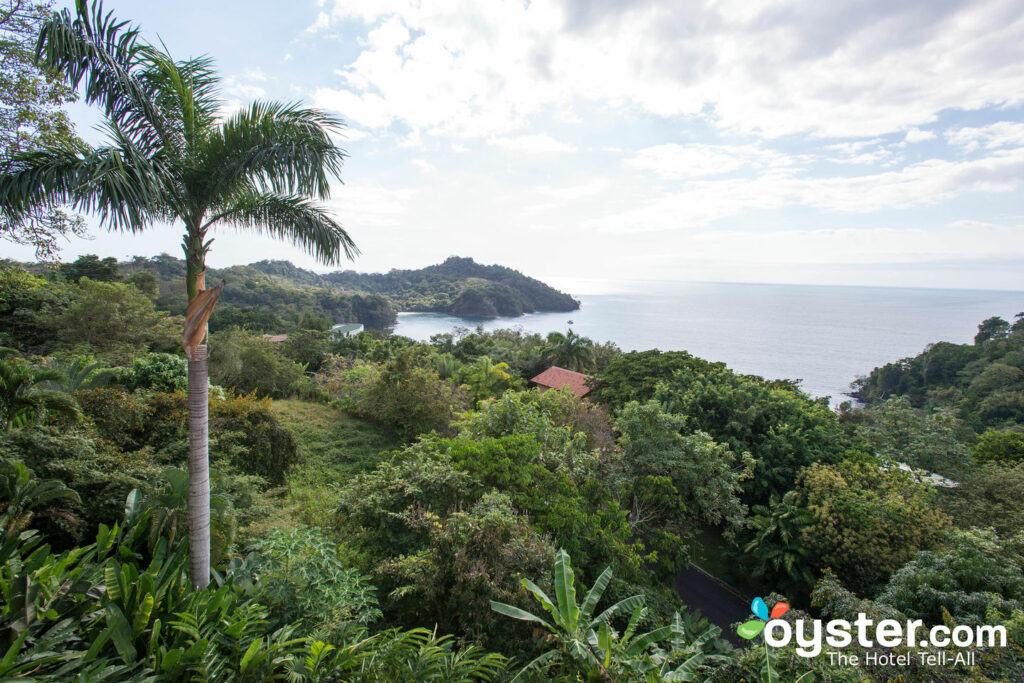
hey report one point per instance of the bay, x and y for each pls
(825, 336)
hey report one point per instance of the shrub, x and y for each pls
(158, 372)
(410, 398)
(249, 436)
(304, 581)
(470, 558)
(247, 362)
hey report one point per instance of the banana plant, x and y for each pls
(573, 625)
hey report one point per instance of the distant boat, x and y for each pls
(570, 322)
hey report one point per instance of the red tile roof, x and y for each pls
(556, 378)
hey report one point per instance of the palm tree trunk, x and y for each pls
(199, 467)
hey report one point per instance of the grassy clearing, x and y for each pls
(334, 447)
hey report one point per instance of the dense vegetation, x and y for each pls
(981, 383)
(388, 510)
(260, 296)
(461, 287)
(370, 486)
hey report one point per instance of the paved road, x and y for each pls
(718, 605)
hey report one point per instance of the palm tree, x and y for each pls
(24, 396)
(569, 351)
(777, 548)
(170, 157)
(79, 373)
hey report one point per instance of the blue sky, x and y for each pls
(867, 142)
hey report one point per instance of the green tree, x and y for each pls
(92, 267)
(471, 557)
(146, 283)
(113, 319)
(992, 329)
(867, 522)
(899, 433)
(777, 552)
(974, 573)
(1000, 447)
(410, 398)
(577, 633)
(781, 427)
(172, 158)
(676, 483)
(32, 114)
(569, 351)
(989, 495)
(486, 378)
(248, 362)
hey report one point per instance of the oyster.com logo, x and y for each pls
(750, 629)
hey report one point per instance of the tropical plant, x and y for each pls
(569, 351)
(22, 496)
(172, 157)
(304, 581)
(79, 372)
(777, 549)
(574, 630)
(24, 396)
(485, 378)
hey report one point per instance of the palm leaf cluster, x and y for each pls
(590, 646)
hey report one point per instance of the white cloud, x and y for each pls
(702, 202)
(696, 160)
(363, 205)
(839, 69)
(369, 110)
(918, 135)
(424, 165)
(994, 136)
(531, 144)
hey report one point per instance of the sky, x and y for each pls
(865, 142)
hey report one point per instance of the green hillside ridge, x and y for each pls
(459, 286)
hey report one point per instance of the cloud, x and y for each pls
(994, 136)
(674, 161)
(702, 202)
(531, 144)
(918, 135)
(838, 69)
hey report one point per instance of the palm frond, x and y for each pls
(300, 220)
(186, 93)
(280, 147)
(119, 183)
(102, 55)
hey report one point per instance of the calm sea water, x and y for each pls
(824, 336)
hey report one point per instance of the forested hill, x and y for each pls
(460, 286)
(269, 289)
(983, 382)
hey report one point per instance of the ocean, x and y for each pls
(825, 336)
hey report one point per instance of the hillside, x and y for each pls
(458, 286)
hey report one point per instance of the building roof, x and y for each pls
(556, 378)
(276, 338)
